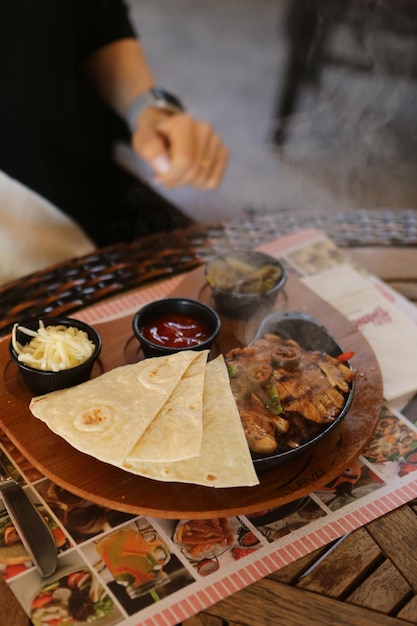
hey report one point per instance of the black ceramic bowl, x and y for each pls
(311, 335)
(239, 294)
(44, 381)
(175, 324)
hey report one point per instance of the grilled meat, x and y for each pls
(285, 394)
(258, 423)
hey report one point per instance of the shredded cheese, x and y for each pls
(53, 348)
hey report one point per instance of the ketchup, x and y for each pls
(176, 330)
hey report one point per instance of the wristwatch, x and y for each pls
(155, 97)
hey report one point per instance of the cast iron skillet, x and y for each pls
(311, 335)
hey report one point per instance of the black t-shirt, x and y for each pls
(55, 133)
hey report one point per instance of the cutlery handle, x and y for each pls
(33, 531)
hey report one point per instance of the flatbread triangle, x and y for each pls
(104, 415)
(176, 432)
(225, 459)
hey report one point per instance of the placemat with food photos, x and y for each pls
(117, 568)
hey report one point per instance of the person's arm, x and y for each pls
(120, 72)
(180, 149)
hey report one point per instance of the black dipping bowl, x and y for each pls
(150, 313)
(238, 305)
(311, 335)
(45, 381)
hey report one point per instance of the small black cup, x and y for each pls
(151, 312)
(44, 381)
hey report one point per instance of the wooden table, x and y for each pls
(370, 577)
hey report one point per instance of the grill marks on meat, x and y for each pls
(310, 388)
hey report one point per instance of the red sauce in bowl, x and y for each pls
(176, 330)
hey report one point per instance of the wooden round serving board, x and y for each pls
(112, 487)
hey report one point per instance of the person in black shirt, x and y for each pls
(73, 77)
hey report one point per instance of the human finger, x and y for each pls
(198, 156)
(186, 139)
(151, 146)
(212, 165)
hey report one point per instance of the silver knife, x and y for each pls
(31, 527)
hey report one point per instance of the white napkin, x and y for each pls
(34, 233)
(392, 335)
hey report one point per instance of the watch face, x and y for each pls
(155, 97)
(164, 99)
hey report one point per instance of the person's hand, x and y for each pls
(180, 149)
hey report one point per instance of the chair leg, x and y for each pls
(302, 26)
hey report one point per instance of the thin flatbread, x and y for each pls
(102, 416)
(176, 432)
(225, 459)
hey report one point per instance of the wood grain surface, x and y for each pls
(11, 612)
(368, 579)
(118, 489)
